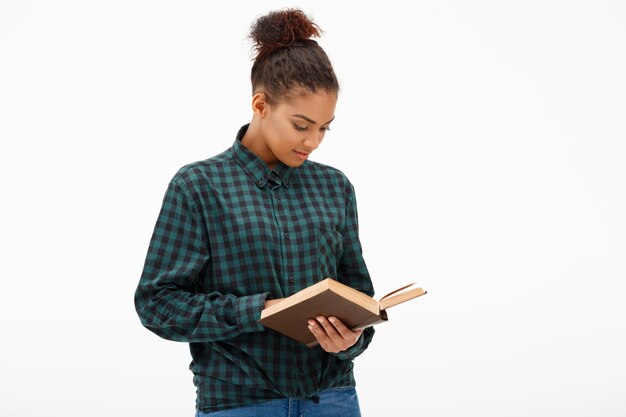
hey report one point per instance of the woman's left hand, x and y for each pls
(332, 335)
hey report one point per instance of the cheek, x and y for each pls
(284, 139)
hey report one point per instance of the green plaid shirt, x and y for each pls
(231, 233)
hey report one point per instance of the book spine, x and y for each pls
(375, 320)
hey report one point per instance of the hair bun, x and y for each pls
(281, 28)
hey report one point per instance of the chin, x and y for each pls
(294, 164)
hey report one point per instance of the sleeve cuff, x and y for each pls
(248, 311)
(351, 351)
(359, 347)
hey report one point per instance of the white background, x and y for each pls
(485, 140)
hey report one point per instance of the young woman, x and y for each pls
(254, 224)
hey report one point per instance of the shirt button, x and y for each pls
(261, 182)
(277, 196)
(292, 280)
(287, 235)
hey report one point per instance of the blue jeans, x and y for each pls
(334, 402)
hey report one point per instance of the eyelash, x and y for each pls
(299, 129)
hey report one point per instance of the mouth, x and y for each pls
(301, 155)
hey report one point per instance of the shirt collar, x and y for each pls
(255, 167)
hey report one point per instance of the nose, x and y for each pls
(313, 141)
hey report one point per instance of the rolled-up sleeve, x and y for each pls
(352, 269)
(178, 255)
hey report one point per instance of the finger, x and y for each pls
(343, 330)
(340, 341)
(350, 337)
(322, 337)
(331, 330)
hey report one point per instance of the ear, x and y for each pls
(260, 106)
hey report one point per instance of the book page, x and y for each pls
(400, 295)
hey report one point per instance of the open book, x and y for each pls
(331, 298)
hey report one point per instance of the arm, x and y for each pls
(178, 255)
(352, 270)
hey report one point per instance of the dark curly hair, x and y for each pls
(288, 63)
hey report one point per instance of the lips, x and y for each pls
(302, 155)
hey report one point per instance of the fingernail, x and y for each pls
(311, 323)
(331, 319)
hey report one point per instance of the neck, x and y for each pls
(254, 140)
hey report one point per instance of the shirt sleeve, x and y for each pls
(352, 270)
(178, 255)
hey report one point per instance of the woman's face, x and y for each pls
(295, 128)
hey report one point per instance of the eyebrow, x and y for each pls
(311, 120)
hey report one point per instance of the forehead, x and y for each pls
(318, 106)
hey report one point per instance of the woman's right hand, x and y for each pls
(269, 303)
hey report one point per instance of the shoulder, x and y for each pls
(196, 177)
(201, 171)
(318, 170)
(315, 174)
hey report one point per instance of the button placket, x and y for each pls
(276, 185)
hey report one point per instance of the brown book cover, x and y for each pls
(331, 298)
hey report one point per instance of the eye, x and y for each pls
(300, 128)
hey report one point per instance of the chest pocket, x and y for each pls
(329, 251)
